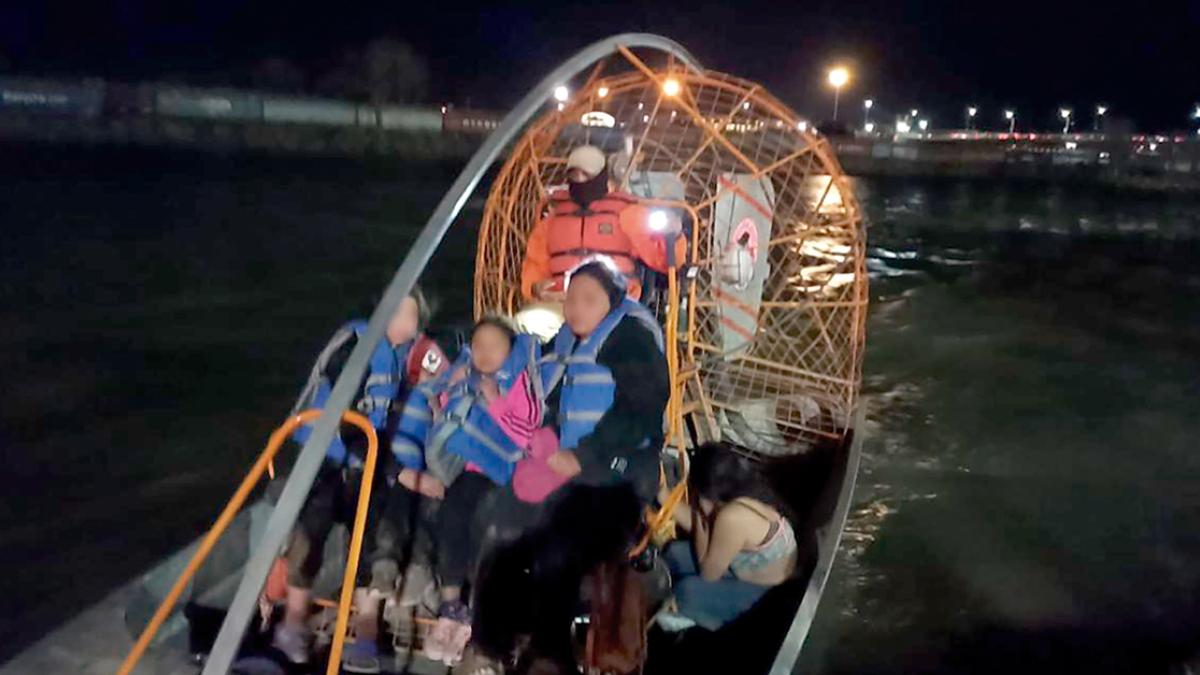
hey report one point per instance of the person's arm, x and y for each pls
(701, 529)
(408, 443)
(643, 386)
(650, 247)
(726, 540)
(684, 516)
(329, 365)
(683, 512)
(536, 266)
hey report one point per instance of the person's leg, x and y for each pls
(393, 534)
(304, 557)
(304, 553)
(457, 534)
(712, 604)
(458, 547)
(385, 535)
(680, 559)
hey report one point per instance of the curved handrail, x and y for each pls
(231, 510)
(789, 650)
(304, 472)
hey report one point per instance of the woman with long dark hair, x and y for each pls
(742, 542)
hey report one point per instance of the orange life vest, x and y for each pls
(573, 232)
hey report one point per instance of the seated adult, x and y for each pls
(741, 544)
(607, 387)
(590, 218)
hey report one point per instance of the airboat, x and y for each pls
(764, 322)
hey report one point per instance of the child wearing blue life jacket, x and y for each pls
(482, 417)
(606, 387)
(404, 357)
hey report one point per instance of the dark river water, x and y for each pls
(1030, 493)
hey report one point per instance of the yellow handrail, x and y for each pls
(675, 426)
(356, 540)
(231, 509)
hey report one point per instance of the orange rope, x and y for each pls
(222, 523)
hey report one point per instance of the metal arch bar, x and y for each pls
(789, 651)
(307, 465)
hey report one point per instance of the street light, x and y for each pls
(971, 110)
(561, 94)
(869, 127)
(867, 105)
(838, 77)
(1011, 116)
(923, 124)
(1065, 113)
(1100, 111)
(913, 113)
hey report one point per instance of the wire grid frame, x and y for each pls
(790, 377)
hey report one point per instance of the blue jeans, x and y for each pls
(711, 604)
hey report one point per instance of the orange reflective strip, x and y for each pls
(738, 303)
(737, 328)
(766, 213)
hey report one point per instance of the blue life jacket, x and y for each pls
(383, 384)
(465, 431)
(416, 418)
(587, 387)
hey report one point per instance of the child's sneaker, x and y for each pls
(458, 643)
(448, 637)
(293, 642)
(362, 657)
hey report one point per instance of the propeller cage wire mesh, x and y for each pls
(773, 373)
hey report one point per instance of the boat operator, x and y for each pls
(591, 217)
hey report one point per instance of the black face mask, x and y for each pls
(590, 190)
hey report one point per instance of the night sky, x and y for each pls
(1142, 59)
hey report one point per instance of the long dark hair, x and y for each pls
(722, 475)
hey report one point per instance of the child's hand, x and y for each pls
(408, 478)
(489, 389)
(564, 463)
(431, 487)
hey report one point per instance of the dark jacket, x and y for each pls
(616, 450)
